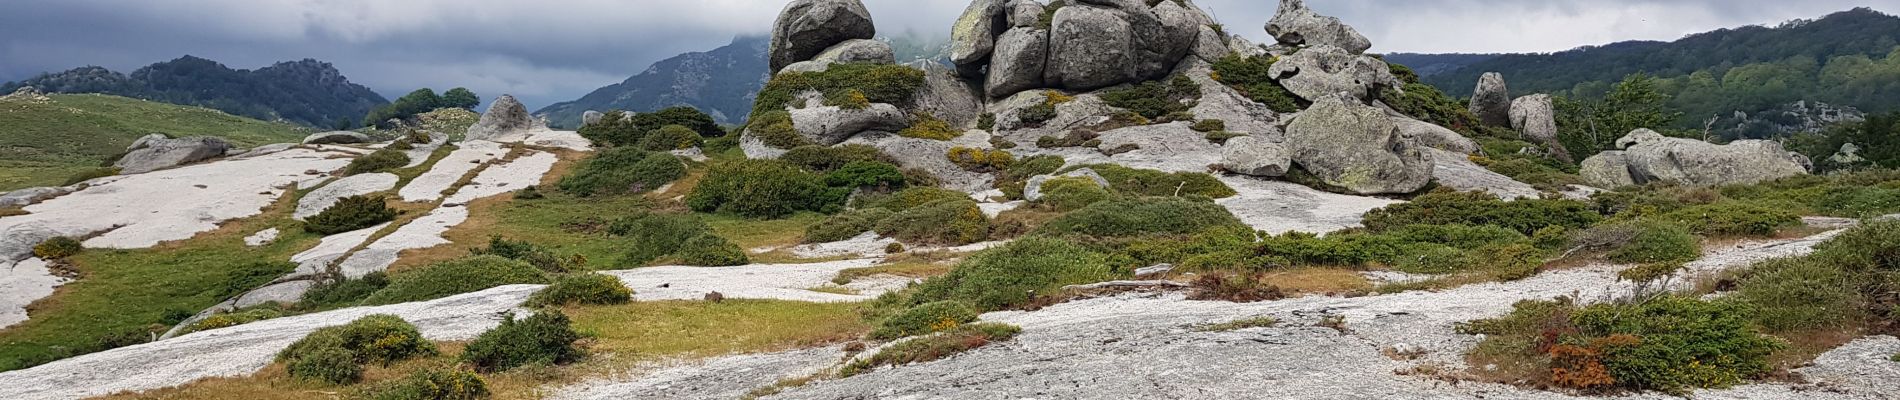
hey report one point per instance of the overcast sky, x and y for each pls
(546, 51)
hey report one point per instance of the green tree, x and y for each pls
(1587, 126)
(460, 98)
(420, 101)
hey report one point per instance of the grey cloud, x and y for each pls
(553, 50)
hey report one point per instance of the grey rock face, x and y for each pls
(829, 125)
(28, 196)
(1639, 136)
(506, 116)
(808, 27)
(1032, 190)
(858, 51)
(1209, 45)
(1435, 136)
(1324, 70)
(1491, 101)
(928, 155)
(948, 97)
(1241, 114)
(1296, 25)
(154, 152)
(591, 117)
(336, 137)
(1610, 169)
(1535, 117)
(1248, 155)
(1456, 171)
(1175, 27)
(1024, 13)
(1090, 48)
(1355, 146)
(973, 35)
(1018, 63)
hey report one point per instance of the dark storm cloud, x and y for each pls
(553, 50)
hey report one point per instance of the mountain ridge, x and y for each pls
(307, 92)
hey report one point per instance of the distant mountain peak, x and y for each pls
(307, 91)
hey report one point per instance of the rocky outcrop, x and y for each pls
(1024, 13)
(1032, 190)
(1491, 101)
(1847, 158)
(1535, 117)
(973, 35)
(1090, 48)
(337, 137)
(851, 51)
(809, 27)
(506, 116)
(28, 196)
(1018, 62)
(1456, 171)
(1351, 145)
(1296, 25)
(1434, 136)
(1652, 157)
(948, 97)
(591, 117)
(1324, 70)
(929, 155)
(1220, 102)
(154, 152)
(1248, 155)
(829, 125)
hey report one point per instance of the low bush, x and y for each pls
(451, 278)
(1251, 77)
(846, 225)
(1670, 343)
(656, 235)
(1039, 113)
(1209, 126)
(343, 292)
(545, 338)
(826, 159)
(530, 253)
(930, 348)
(532, 192)
(709, 250)
(775, 130)
(911, 198)
(669, 138)
(350, 214)
(1155, 99)
(336, 354)
(1237, 288)
(873, 83)
(235, 318)
(1147, 182)
(980, 160)
(1430, 105)
(762, 189)
(1011, 275)
(1144, 216)
(1734, 219)
(379, 161)
(251, 275)
(876, 175)
(57, 248)
(949, 222)
(927, 126)
(1012, 179)
(433, 384)
(594, 289)
(1479, 208)
(1657, 242)
(1073, 193)
(682, 116)
(924, 318)
(1221, 137)
(1847, 281)
(622, 170)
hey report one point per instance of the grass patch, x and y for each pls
(931, 348)
(45, 143)
(451, 278)
(655, 329)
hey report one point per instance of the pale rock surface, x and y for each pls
(504, 117)
(154, 152)
(266, 149)
(262, 237)
(757, 281)
(421, 233)
(948, 97)
(1535, 117)
(1651, 157)
(1020, 57)
(1025, 13)
(317, 259)
(1279, 207)
(1249, 155)
(355, 185)
(28, 196)
(21, 284)
(1610, 169)
(449, 170)
(1434, 136)
(866, 245)
(244, 349)
(931, 155)
(419, 153)
(1351, 145)
(591, 117)
(1219, 102)
(830, 125)
(506, 176)
(850, 51)
(281, 293)
(1170, 147)
(541, 137)
(973, 34)
(1456, 171)
(1090, 48)
(1296, 25)
(1491, 101)
(722, 378)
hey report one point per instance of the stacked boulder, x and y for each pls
(1017, 45)
(1647, 156)
(820, 32)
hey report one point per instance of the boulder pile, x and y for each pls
(1647, 156)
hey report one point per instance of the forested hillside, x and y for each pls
(307, 92)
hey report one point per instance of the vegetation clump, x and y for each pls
(57, 248)
(337, 354)
(709, 250)
(621, 128)
(656, 235)
(545, 338)
(533, 254)
(349, 214)
(622, 170)
(1011, 275)
(1144, 216)
(592, 289)
(382, 160)
(1479, 208)
(930, 127)
(455, 277)
(1147, 182)
(418, 102)
(980, 160)
(433, 384)
(1250, 76)
(1156, 100)
(826, 159)
(930, 348)
(841, 84)
(1071, 193)
(669, 138)
(923, 319)
(846, 225)
(948, 222)
(762, 189)
(1669, 343)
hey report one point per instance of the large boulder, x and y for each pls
(1610, 169)
(1090, 48)
(1248, 155)
(28, 196)
(336, 137)
(851, 51)
(930, 155)
(1220, 102)
(1847, 158)
(1491, 101)
(1349, 144)
(1323, 70)
(1458, 172)
(506, 116)
(1296, 25)
(948, 97)
(154, 152)
(1210, 45)
(973, 35)
(1535, 117)
(1164, 35)
(1020, 55)
(1434, 136)
(591, 117)
(829, 125)
(808, 27)
(1652, 157)
(1024, 13)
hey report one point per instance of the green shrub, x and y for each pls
(930, 348)
(846, 225)
(1073, 193)
(1250, 76)
(544, 338)
(532, 192)
(911, 198)
(826, 159)
(1209, 126)
(1042, 112)
(980, 160)
(867, 174)
(350, 214)
(582, 289)
(336, 354)
(1463, 237)
(90, 174)
(1155, 99)
(451, 278)
(721, 145)
(343, 292)
(1011, 180)
(1336, 249)
(378, 161)
(929, 127)
(58, 247)
(669, 138)
(1430, 105)
(949, 222)
(761, 189)
(1832, 287)
(682, 116)
(875, 83)
(924, 318)
(986, 122)
(1658, 243)
(709, 250)
(252, 275)
(1734, 218)
(1147, 182)
(1479, 208)
(235, 318)
(775, 130)
(1144, 216)
(656, 235)
(1011, 275)
(434, 384)
(1681, 343)
(622, 170)
(530, 253)
(614, 130)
